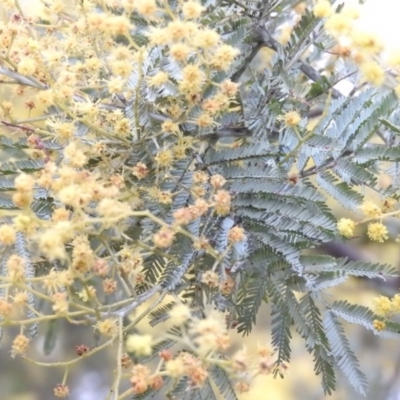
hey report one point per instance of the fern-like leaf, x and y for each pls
(363, 316)
(222, 381)
(321, 349)
(345, 358)
(173, 274)
(161, 314)
(249, 300)
(342, 192)
(281, 321)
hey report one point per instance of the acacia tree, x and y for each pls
(168, 170)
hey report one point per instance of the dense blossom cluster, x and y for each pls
(385, 309)
(62, 54)
(376, 231)
(79, 66)
(212, 339)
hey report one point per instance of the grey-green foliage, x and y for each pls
(282, 216)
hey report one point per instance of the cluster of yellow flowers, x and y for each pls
(77, 52)
(210, 338)
(376, 231)
(83, 64)
(62, 55)
(385, 308)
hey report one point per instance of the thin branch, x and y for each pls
(119, 357)
(238, 74)
(136, 303)
(24, 128)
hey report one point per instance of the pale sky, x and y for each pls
(382, 16)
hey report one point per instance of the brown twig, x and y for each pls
(24, 128)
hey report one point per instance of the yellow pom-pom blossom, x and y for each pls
(158, 79)
(379, 325)
(146, 7)
(7, 234)
(396, 303)
(370, 209)
(346, 227)
(382, 306)
(322, 9)
(367, 41)
(192, 9)
(180, 314)
(338, 24)
(372, 72)
(141, 345)
(377, 232)
(292, 118)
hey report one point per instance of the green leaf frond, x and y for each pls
(317, 342)
(345, 358)
(251, 293)
(161, 314)
(223, 383)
